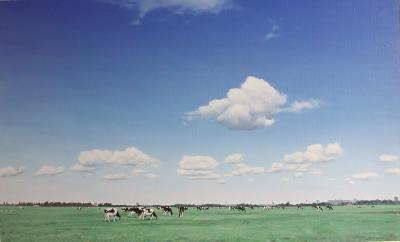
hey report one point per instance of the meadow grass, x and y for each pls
(69, 224)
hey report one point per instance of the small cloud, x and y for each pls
(11, 171)
(130, 156)
(197, 162)
(151, 176)
(393, 171)
(285, 179)
(315, 153)
(388, 158)
(175, 7)
(276, 167)
(221, 181)
(138, 172)
(81, 168)
(316, 172)
(244, 169)
(365, 176)
(298, 174)
(250, 179)
(303, 167)
(273, 33)
(298, 106)
(234, 158)
(116, 177)
(198, 168)
(331, 179)
(47, 170)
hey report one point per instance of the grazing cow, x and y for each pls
(201, 208)
(79, 208)
(167, 210)
(241, 208)
(329, 207)
(181, 211)
(111, 212)
(299, 207)
(267, 207)
(359, 206)
(135, 211)
(148, 212)
(318, 207)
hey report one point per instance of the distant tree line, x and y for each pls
(376, 202)
(210, 205)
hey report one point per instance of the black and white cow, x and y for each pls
(148, 212)
(135, 211)
(267, 207)
(181, 211)
(111, 213)
(241, 208)
(329, 207)
(318, 208)
(167, 210)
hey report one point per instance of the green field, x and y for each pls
(68, 224)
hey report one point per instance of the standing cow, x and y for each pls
(111, 213)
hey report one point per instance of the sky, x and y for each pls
(225, 101)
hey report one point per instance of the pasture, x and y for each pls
(68, 224)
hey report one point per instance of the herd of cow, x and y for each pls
(140, 212)
(149, 213)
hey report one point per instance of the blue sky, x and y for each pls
(78, 76)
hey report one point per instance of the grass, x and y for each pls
(68, 224)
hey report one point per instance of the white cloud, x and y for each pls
(138, 172)
(197, 162)
(11, 171)
(178, 7)
(234, 158)
(116, 177)
(273, 33)
(303, 167)
(221, 181)
(244, 169)
(388, 158)
(198, 174)
(151, 176)
(393, 171)
(129, 156)
(276, 167)
(315, 153)
(298, 106)
(81, 168)
(251, 106)
(198, 168)
(298, 174)
(365, 176)
(316, 172)
(211, 176)
(47, 170)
